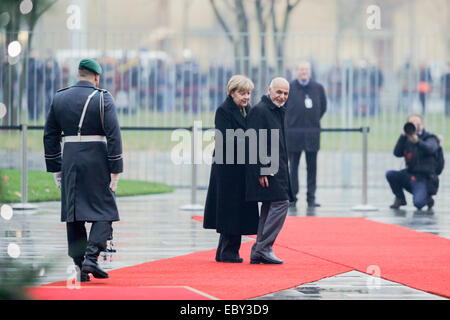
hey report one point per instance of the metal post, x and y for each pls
(193, 206)
(194, 164)
(24, 163)
(24, 205)
(364, 166)
(346, 111)
(364, 206)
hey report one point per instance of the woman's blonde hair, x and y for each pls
(239, 82)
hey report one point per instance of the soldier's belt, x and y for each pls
(83, 139)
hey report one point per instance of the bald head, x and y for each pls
(279, 91)
(417, 120)
(304, 71)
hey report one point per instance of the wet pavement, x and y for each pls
(153, 227)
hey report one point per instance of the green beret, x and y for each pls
(90, 64)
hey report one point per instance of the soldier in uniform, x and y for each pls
(86, 166)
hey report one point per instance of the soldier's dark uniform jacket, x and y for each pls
(85, 166)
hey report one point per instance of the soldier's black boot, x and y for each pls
(84, 277)
(90, 264)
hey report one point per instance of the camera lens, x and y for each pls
(409, 128)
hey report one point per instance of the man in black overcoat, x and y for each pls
(268, 177)
(305, 107)
(88, 170)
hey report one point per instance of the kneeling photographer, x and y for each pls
(420, 178)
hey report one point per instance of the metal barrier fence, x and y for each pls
(374, 81)
(195, 154)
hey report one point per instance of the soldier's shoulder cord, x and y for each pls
(63, 89)
(102, 90)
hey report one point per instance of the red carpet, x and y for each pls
(312, 248)
(116, 293)
(220, 280)
(415, 259)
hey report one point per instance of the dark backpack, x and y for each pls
(440, 161)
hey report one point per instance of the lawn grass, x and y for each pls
(41, 187)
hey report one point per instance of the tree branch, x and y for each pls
(260, 15)
(289, 8)
(229, 5)
(222, 21)
(292, 6)
(242, 19)
(33, 17)
(266, 16)
(274, 18)
(48, 6)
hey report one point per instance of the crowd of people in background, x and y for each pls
(164, 86)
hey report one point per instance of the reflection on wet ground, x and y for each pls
(154, 227)
(348, 286)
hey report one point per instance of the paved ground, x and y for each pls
(154, 227)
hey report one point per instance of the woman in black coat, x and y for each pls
(226, 209)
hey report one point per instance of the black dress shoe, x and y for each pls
(90, 266)
(265, 258)
(398, 203)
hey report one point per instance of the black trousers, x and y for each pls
(228, 247)
(311, 173)
(77, 238)
(402, 180)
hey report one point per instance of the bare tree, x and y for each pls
(239, 39)
(263, 12)
(19, 21)
(280, 31)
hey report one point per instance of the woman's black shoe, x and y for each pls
(236, 260)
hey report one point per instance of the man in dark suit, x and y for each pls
(268, 179)
(88, 172)
(305, 107)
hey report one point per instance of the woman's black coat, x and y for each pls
(226, 209)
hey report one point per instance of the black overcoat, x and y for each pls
(85, 166)
(299, 117)
(266, 115)
(226, 209)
